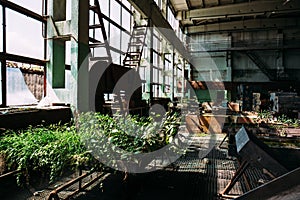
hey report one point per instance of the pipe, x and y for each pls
(54, 193)
(3, 62)
(10, 173)
(85, 186)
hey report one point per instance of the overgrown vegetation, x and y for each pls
(115, 139)
(57, 148)
(288, 121)
(268, 117)
(50, 149)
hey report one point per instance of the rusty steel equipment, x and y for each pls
(54, 194)
(252, 149)
(283, 187)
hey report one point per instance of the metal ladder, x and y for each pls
(94, 43)
(136, 45)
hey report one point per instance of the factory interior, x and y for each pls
(149, 99)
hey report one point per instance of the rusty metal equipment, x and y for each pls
(285, 103)
(284, 187)
(54, 194)
(251, 150)
(240, 172)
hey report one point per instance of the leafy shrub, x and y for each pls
(50, 149)
(56, 148)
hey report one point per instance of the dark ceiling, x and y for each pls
(199, 15)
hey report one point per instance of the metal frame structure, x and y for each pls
(120, 27)
(243, 20)
(57, 35)
(4, 55)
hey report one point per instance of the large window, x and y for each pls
(158, 3)
(24, 35)
(175, 24)
(126, 4)
(172, 19)
(24, 41)
(33, 5)
(115, 11)
(118, 25)
(105, 7)
(126, 19)
(168, 73)
(158, 66)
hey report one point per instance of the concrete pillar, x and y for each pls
(77, 32)
(79, 53)
(56, 47)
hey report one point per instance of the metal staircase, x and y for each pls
(271, 74)
(136, 45)
(95, 43)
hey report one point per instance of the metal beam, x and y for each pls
(3, 61)
(114, 23)
(242, 9)
(252, 24)
(179, 4)
(21, 59)
(270, 48)
(150, 10)
(22, 10)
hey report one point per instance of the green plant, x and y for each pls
(264, 116)
(125, 136)
(131, 134)
(55, 149)
(47, 149)
(288, 121)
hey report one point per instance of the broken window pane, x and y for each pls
(18, 91)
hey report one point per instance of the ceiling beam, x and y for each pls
(179, 4)
(251, 24)
(188, 3)
(242, 49)
(150, 10)
(240, 9)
